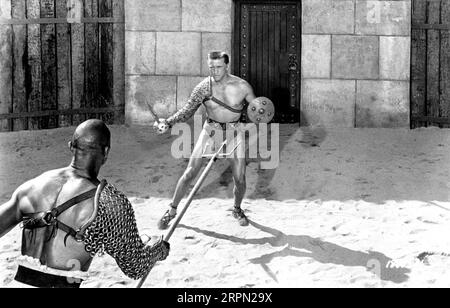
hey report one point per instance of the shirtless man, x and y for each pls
(68, 216)
(223, 95)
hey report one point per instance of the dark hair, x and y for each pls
(215, 55)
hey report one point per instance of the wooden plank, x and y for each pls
(277, 45)
(37, 21)
(432, 98)
(19, 55)
(78, 68)
(258, 54)
(46, 113)
(435, 26)
(284, 50)
(237, 43)
(119, 62)
(418, 63)
(276, 64)
(49, 64)
(92, 72)
(271, 56)
(419, 12)
(64, 89)
(34, 93)
(252, 51)
(265, 53)
(292, 42)
(299, 57)
(435, 120)
(106, 59)
(445, 63)
(6, 66)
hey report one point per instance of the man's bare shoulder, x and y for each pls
(239, 82)
(41, 181)
(59, 175)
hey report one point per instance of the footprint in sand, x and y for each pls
(156, 179)
(417, 231)
(426, 221)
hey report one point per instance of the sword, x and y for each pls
(140, 97)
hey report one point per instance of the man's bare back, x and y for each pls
(68, 216)
(43, 193)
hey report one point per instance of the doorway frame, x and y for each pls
(236, 36)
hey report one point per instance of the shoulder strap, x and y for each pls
(219, 102)
(68, 204)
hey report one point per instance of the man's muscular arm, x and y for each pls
(10, 214)
(249, 90)
(200, 92)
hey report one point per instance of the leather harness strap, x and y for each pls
(219, 102)
(50, 217)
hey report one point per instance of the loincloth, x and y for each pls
(215, 133)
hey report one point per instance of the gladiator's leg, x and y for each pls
(185, 180)
(238, 167)
(191, 172)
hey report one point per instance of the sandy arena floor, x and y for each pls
(345, 208)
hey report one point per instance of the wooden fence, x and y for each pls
(61, 62)
(430, 63)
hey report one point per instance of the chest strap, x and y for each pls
(49, 218)
(218, 101)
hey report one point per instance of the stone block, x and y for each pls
(383, 17)
(316, 56)
(382, 103)
(355, 57)
(207, 15)
(395, 57)
(185, 85)
(5, 9)
(178, 53)
(153, 15)
(328, 103)
(140, 52)
(328, 17)
(215, 41)
(158, 91)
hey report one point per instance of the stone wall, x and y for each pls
(355, 62)
(355, 57)
(166, 47)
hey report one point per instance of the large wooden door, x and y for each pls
(267, 48)
(62, 62)
(430, 63)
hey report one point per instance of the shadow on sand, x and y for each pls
(310, 137)
(315, 248)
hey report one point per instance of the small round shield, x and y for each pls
(260, 110)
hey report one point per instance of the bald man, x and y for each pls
(68, 216)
